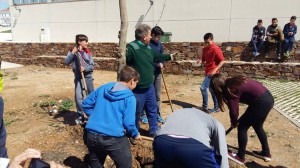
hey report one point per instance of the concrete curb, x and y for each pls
(288, 117)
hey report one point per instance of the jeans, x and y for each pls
(288, 44)
(203, 88)
(255, 116)
(79, 92)
(100, 146)
(170, 152)
(3, 150)
(145, 99)
(157, 87)
(257, 44)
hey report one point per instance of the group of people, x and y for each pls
(114, 109)
(284, 39)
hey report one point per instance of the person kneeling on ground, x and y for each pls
(200, 142)
(111, 112)
(260, 101)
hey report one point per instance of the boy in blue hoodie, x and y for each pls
(86, 63)
(111, 111)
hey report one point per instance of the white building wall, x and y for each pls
(188, 20)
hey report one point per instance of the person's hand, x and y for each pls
(275, 34)
(290, 33)
(81, 68)
(20, 160)
(138, 138)
(54, 165)
(74, 50)
(199, 61)
(213, 72)
(161, 65)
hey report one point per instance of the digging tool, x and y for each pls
(231, 128)
(162, 74)
(82, 76)
(147, 138)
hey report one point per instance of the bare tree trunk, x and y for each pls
(122, 36)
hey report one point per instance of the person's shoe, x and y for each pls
(253, 53)
(204, 109)
(286, 54)
(236, 158)
(261, 155)
(278, 56)
(144, 119)
(160, 119)
(215, 110)
(79, 120)
(267, 55)
(257, 54)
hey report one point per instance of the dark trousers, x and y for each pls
(170, 152)
(100, 146)
(145, 99)
(3, 150)
(255, 116)
(278, 47)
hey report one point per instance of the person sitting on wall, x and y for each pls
(289, 31)
(258, 35)
(274, 36)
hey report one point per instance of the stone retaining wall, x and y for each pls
(105, 54)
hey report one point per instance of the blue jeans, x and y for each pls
(157, 87)
(288, 44)
(100, 146)
(257, 44)
(203, 88)
(170, 152)
(79, 92)
(3, 150)
(145, 99)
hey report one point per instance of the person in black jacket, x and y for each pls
(258, 36)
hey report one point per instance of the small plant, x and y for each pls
(35, 104)
(44, 104)
(52, 103)
(66, 105)
(14, 78)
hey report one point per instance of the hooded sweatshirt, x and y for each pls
(86, 60)
(111, 110)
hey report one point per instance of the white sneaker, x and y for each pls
(257, 54)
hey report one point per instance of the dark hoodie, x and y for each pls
(111, 110)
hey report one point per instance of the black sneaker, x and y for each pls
(261, 155)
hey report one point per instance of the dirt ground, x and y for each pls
(59, 139)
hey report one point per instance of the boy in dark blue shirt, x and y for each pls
(289, 31)
(258, 36)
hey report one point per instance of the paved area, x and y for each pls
(287, 98)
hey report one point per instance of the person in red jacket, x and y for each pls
(213, 60)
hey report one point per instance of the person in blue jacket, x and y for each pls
(111, 110)
(289, 31)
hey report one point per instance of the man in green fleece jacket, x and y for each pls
(141, 57)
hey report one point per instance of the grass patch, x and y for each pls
(66, 104)
(8, 121)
